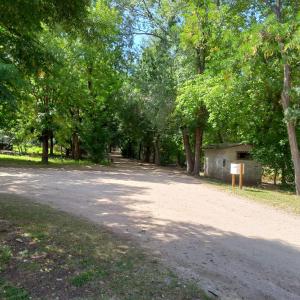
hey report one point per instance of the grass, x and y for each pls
(48, 254)
(31, 149)
(277, 198)
(35, 161)
(8, 291)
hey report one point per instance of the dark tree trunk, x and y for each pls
(45, 141)
(153, 158)
(198, 148)
(140, 151)
(188, 151)
(147, 154)
(220, 137)
(68, 152)
(75, 146)
(275, 176)
(51, 144)
(178, 159)
(157, 151)
(283, 176)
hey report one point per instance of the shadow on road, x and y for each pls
(232, 265)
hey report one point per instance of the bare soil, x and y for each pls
(235, 248)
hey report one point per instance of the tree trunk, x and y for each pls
(275, 177)
(285, 100)
(75, 148)
(51, 144)
(188, 151)
(67, 152)
(45, 132)
(283, 176)
(291, 129)
(157, 151)
(45, 141)
(147, 154)
(140, 151)
(153, 158)
(198, 148)
(295, 154)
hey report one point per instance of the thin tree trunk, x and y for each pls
(45, 134)
(45, 141)
(157, 151)
(76, 148)
(140, 151)
(67, 152)
(275, 176)
(51, 144)
(283, 176)
(147, 154)
(153, 158)
(188, 151)
(221, 140)
(198, 148)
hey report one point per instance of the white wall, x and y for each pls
(213, 166)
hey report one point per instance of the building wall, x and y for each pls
(217, 164)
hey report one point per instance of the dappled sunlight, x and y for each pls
(16, 174)
(220, 240)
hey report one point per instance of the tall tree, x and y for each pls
(285, 24)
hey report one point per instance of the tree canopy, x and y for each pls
(159, 79)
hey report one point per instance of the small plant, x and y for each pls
(5, 255)
(10, 292)
(83, 278)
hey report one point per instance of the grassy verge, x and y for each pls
(48, 254)
(277, 198)
(26, 160)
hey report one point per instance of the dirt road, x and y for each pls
(234, 247)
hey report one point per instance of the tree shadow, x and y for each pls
(233, 265)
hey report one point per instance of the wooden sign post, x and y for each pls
(237, 169)
(241, 176)
(233, 181)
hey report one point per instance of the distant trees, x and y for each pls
(67, 90)
(204, 72)
(235, 64)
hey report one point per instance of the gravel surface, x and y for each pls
(235, 248)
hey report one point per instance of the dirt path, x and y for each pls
(234, 247)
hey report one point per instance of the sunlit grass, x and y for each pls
(285, 200)
(30, 149)
(27, 160)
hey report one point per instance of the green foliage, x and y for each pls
(217, 65)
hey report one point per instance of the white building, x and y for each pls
(218, 158)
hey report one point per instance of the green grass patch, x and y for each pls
(280, 199)
(71, 258)
(35, 161)
(83, 278)
(10, 292)
(87, 276)
(5, 255)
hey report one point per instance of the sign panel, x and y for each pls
(235, 169)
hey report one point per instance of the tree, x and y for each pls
(285, 28)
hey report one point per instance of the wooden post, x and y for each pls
(233, 181)
(241, 176)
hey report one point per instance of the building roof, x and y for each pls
(224, 145)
